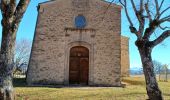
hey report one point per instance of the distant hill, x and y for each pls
(136, 71)
(139, 71)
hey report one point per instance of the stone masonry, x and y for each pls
(56, 34)
(125, 56)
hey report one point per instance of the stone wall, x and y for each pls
(125, 56)
(56, 34)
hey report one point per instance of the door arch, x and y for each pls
(79, 65)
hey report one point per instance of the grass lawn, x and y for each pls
(134, 90)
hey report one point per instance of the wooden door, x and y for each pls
(84, 70)
(79, 65)
(74, 70)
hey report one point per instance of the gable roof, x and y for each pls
(50, 1)
(47, 2)
(111, 3)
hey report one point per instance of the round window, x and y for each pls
(80, 21)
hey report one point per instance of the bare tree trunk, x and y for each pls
(7, 61)
(159, 73)
(152, 88)
(12, 13)
(143, 30)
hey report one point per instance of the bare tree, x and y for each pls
(150, 15)
(22, 53)
(164, 73)
(12, 13)
(157, 66)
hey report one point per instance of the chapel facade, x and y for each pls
(78, 42)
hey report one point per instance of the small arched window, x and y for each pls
(80, 21)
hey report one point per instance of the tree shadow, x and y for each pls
(19, 82)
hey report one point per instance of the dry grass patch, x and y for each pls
(135, 90)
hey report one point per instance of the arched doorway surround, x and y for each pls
(79, 65)
(67, 61)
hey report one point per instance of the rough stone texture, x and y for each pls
(56, 34)
(125, 56)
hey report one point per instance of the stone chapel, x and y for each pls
(78, 42)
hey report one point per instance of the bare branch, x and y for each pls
(148, 12)
(20, 10)
(22, 52)
(126, 11)
(167, 18)
(161, 38)
(140, 17)
(157, 9)
(8, 8)
(12, 6)
(122, 3)
(133, 5)
(161, 5)
(141, 5)
(152, 26)
(107, 9)
(164, 11)
(110, 4)
(3, 7)
(132, 28)
(163, 28)
(141, 25)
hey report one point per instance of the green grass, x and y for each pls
(134, 90)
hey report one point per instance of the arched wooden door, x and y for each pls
(79, 65)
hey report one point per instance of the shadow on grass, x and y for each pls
(19, 82)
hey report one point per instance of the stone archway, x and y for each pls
(79, 65)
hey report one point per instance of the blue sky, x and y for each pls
(160, 53)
